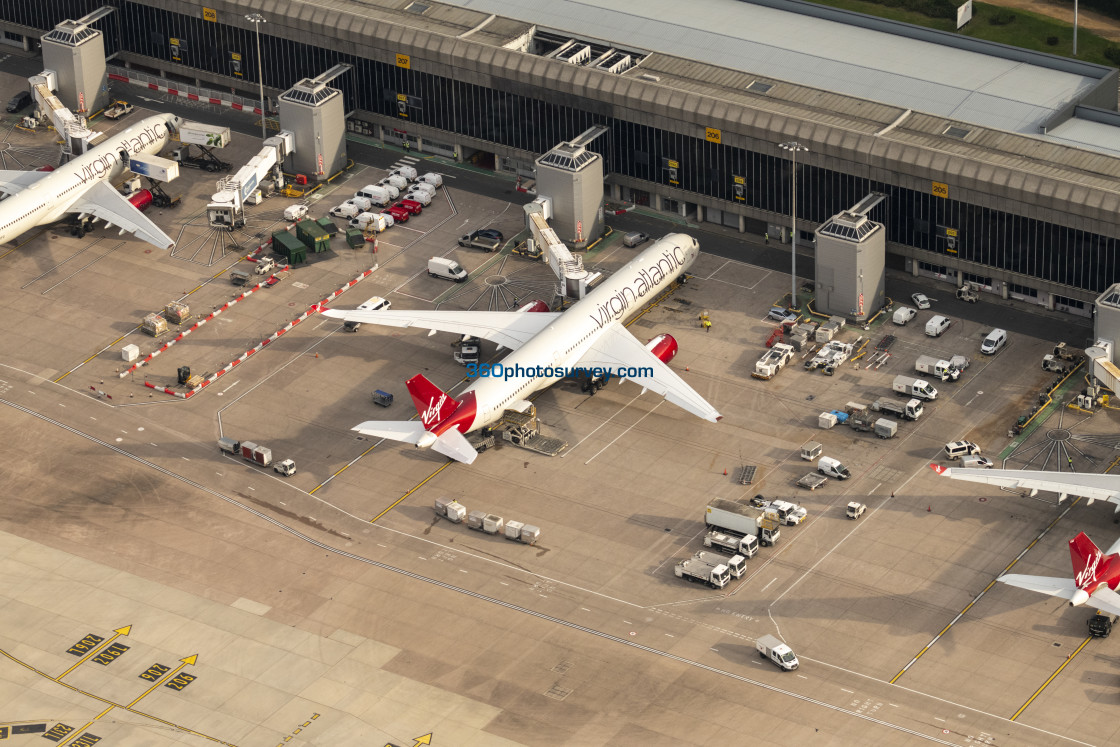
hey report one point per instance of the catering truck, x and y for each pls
(741, 519)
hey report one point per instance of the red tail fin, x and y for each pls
(431, 402)
(1086, 559)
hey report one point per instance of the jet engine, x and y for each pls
(664, 347)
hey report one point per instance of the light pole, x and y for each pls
(257, 19)
(794, 148)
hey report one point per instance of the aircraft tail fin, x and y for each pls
(1086, 558)
(432, 403)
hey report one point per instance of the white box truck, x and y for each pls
(769, 647)
(733, 544)
(910, 410)
(911, 387)
(741, 519)
(736, 564)
(936, 367)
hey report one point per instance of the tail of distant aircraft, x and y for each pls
(432, 403)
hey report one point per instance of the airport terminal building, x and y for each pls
(1000, 166)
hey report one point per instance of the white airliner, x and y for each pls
(588, 335)
(1088, 485)
(84, 187)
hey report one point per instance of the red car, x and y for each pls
(411, 206)
(400, 215)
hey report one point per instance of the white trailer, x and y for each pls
(450, 509)
(741, 519)
(695, 570)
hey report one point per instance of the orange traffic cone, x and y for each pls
(725, 472)
(929, 508)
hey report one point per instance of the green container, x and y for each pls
(328, 225)
(289, 246)
(355, 238)
(313, 236)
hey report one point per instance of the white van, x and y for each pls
(370, 221)
(903, 314)
(936, 326)
(376, 303)
(431, 178)
(448, 269)
(423, 198)
(424, 187)
(993, 342)
(833, 468)
(406, 171)
(345, 210)
(958, 449)
(392, 191)
(976, 462)
(376, 194)
(396, 180)
(362, 203)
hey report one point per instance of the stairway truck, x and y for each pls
(741, 519)
(769, 647)
(700, 572)
(911, 387)
(732, 544)
(450, 509)
(937, 368)
(736, 564)
(911, 410)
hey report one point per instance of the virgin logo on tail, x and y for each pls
(430, 415)
(1089, 572)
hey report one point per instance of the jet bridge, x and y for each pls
(227, 206)
(575, 280)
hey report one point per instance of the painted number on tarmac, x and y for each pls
(154, 672)
(179, 681)
(84, 646)
(57, 732)
(110, 653)
(86, 740)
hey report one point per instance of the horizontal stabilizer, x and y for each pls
(408, 431)
(1055, 587)
(454, 444)
(1106, 600)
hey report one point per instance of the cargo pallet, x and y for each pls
(746, 474)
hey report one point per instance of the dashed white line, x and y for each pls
(764, 588)
(847, 690)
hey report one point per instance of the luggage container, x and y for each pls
(513, 529)
(177, 312)
(530, 534)
(493, 524)
(811, 450)
(229, 445)
(154, 324)
(826, 420)
(475, 519)
(130, 353)
(450, 509)
(885, 428)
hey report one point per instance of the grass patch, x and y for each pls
(1027, 30)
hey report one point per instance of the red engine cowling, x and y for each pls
(537, 305)
(47, 167)
(664, 346)
(141, 200)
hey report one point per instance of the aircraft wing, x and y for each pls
(510, 329)
(617, 350)
(1106, 600)
(105, 203)
(1095, 487)
(16, 181)
(1055, 587)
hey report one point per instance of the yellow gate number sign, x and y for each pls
(712, 135)
(404, 61)
(209, 14)
(940, 190)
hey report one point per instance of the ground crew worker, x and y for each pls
(767, 236)
(707, 325)
(1070, 460)
(407, 145)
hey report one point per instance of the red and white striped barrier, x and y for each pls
(184, 94)
(260, 346)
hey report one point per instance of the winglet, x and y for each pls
(939, 469)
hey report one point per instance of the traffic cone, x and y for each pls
(929, 508)
(725, 472)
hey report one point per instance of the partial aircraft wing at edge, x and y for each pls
(1095, 487)
(616, 348)
(17, 181)
(105, 203)
(511, 329)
